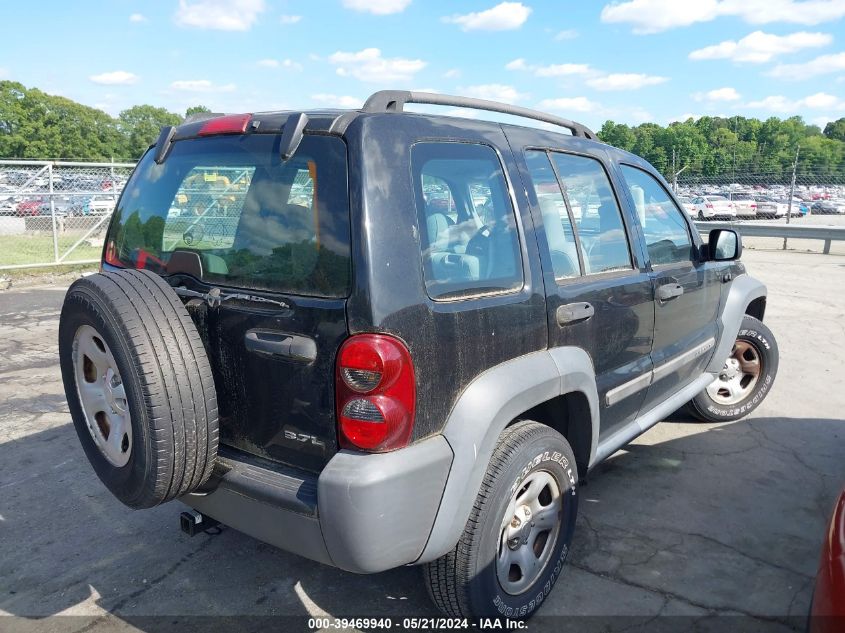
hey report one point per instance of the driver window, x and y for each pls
(664, 227)
(467, 225)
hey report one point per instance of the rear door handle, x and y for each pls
(669, 291)
(281, 344)
(574, 312)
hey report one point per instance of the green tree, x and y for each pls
(835, 130)
(141, 126)
(197, 109)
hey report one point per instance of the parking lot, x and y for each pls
(691, 519)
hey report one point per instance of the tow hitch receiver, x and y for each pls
(193, 523)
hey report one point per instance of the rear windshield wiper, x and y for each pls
(214, 297)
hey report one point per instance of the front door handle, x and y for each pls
(669, 291)
(281, 345)
(574, 313)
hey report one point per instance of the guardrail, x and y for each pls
(769, 229)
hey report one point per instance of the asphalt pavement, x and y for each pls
(690, 519)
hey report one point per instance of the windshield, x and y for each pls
(250, 219)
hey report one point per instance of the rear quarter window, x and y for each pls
(469, 238)
(252, 220)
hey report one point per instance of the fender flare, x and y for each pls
(744, 289)
(482, 412)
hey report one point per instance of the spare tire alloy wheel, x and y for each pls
(102, 396)
(139, 386)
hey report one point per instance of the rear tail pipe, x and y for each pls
(193, 522)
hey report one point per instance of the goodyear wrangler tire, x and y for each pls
(745, 380)
(139, 386)
(516, 541)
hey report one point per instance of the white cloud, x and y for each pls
(719, 94)
(452, 73)
(369, 65)
(502, 17)
(287, 64)
(137, 18)
(759, 47)
(200, 85)
(337, 101)
(221, 15)
(817, 101)
(568, 34)
(290, 19)
(377, 7)
(552, 70)
(115, 78)
(653, 16)
(494, 92)
(822, 65)
(625, 81)
(569, 104)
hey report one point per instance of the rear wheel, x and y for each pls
(701, 215)
(515, 543)
(139, 386)
(746, 378)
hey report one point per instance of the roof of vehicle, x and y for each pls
(337, 121)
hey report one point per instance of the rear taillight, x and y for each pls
(375, 393)
(230, 124)
(110, 256)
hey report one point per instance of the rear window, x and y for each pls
(252, 220)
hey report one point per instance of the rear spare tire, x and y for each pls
(139, 386)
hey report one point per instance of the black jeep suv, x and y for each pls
(377, 338)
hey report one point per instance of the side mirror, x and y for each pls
(724, 245)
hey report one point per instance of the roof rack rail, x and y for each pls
(395, 100)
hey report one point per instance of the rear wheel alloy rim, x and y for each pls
(739, 376)
(529, 532)
(102, 396)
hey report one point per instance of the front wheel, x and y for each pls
(516, 541)
(745, 380)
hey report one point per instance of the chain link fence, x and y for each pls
(55, 213)
(756, 194)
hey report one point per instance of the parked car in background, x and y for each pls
(769, 208)
(713, 208)
(744, 204)
(93, 206)
(827, 611)
(827, 207)
(688, 206)
(29, 207)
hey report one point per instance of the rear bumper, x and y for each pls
(364, 513)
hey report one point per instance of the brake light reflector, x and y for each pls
(375, 393)
(229, 124)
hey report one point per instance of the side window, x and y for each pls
(598, 220)
(666, 233)
(563, 250)
(469, 238)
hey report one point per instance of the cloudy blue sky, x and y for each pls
(591, 60)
